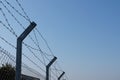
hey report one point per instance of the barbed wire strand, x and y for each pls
(6, 53)
(34, 63)
(23, 53)
(8, 29)
(51, 76)
(12, 30)
(16, 35)
(19, 24)
(44, 41)
(12, 14)
(14, 46)
(38, 45)
(7, 42)
(2, 50)
(30, 69)
(48, 48)
(22, 9)
(36, 29)
(55, 74)
(17, 10)
(36, 56)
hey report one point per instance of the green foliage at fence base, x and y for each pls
(7, 72)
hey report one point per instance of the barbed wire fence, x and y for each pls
(36, 52)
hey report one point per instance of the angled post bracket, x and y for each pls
(61, 76)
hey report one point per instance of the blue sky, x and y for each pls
(83, 34)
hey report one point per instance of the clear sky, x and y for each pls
(83, 34)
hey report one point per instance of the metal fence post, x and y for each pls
(48, 66)
(19, 49)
